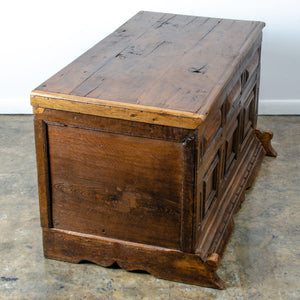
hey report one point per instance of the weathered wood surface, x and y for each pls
(114, 185)
(147, 143)
(160, 262)
(117, 178)
(137, 72)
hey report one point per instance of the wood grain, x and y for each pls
(111, 109)
(42, 159)
(126, 127)
(136, 72)
(160, 262)
(146, 145)
(116, 186)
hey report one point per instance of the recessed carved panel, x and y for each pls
(231, 147)
(212, 129)
(210, 185)
(249, 113)
(233, 96)
(253, 63)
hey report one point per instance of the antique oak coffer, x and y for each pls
(146, 143)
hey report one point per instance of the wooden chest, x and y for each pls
(146, 143)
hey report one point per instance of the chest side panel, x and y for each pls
(116, 185)
(228, 150)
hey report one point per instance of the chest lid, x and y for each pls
(156, 68)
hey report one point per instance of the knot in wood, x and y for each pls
(201, 69)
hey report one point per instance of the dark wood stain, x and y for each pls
(158, 197)
(115, 185)
(143, 62)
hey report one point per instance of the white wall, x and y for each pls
(40, 37)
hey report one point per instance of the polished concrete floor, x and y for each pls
(262, 260)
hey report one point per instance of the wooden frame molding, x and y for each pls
(90, 106)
